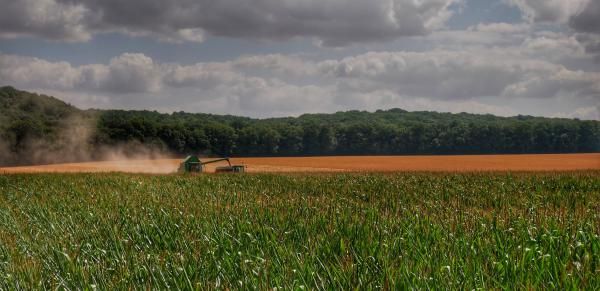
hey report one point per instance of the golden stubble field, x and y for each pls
(465, 163)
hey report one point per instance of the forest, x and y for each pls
(31, 124)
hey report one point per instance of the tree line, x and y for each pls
(27, 116)
(384, 132)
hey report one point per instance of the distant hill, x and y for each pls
(42, 129)
(32, 128)
(18, 105)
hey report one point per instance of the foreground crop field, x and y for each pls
(468, 163)
(328, 231)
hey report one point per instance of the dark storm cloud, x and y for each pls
(591, 42)
(587, 20)
(331, 22)
(44, 18)
(587, 24)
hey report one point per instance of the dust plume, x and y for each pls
(76, 140)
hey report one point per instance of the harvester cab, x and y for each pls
(192, 164)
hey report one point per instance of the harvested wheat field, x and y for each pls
(549, 162)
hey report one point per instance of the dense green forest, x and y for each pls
(38, 128)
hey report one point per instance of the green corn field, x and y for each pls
(300, 231)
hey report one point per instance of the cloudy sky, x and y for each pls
(265, 58)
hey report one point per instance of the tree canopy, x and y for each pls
(27, 116)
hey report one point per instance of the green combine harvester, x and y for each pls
(192, 164)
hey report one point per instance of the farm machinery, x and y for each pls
(192, 164)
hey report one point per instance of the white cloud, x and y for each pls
(438, 74)
(550, 10)
(554, 46)
(581, 16)
(501, 28)
(126, 73)
(461, 75)
(133, 73)
(585, 113)
(268, 85)
(389, 99)
(558, 81)
(489, 35)
(34, 72)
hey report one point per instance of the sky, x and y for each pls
(272, 58)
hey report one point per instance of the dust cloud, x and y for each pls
(75, 141)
